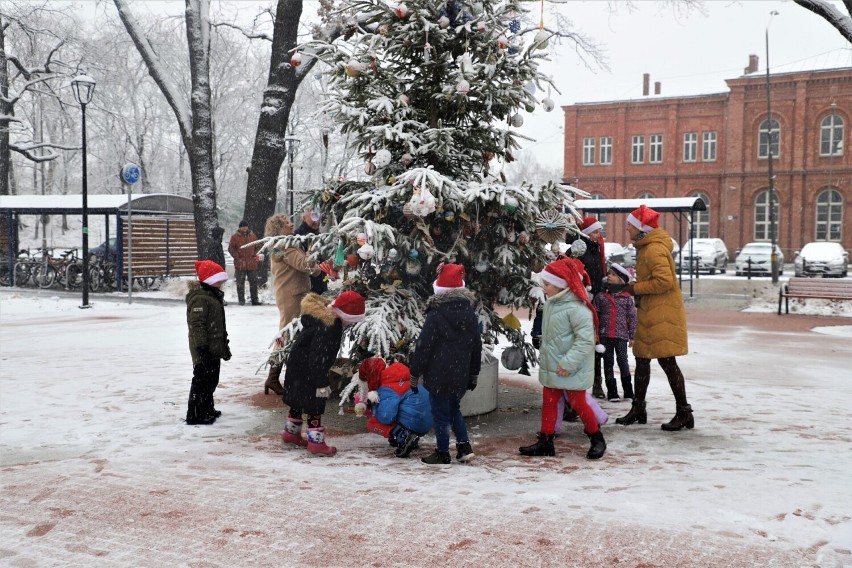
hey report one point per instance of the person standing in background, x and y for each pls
(310, 226)
(245, 262)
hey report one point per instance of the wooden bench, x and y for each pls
(816, 288)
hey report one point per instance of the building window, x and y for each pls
(690, 147)
(655, 152)
(831, 136)
(761, 216)
(768, 130)
(645, 195)
(588, 151)
(606, 150)
(708, 147)
(829, 215)
(601, 216)
(701, 219)
(638, 155)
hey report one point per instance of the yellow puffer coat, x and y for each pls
(661, 317)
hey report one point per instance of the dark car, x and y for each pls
(110, 247)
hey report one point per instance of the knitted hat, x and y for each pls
(645, 219)
(450, 277)
(590, 225)
(349, 306)
(370, 371)
(566, 274)
(209, 272)
(620, 271)
(243, 223)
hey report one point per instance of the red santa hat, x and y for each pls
(645, 219)
(566, 274)
(209, 272)
(450, 277)
(349, 307)
(589, 225)
(370, 371)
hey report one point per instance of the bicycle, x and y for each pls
(47, 269)
(24, 267)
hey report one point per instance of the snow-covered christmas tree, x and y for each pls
(432, 94)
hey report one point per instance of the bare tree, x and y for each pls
(842, 22)
(193, 113)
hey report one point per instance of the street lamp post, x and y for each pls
(84, 87)
(292, 143)
(772, 237)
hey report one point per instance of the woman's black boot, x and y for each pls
(544, 446)
(637, 414)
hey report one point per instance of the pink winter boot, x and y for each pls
(292, 433)
(316, 443)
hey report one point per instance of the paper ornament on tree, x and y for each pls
(550, 226)
(406, 159)
(382, 158)
(404, 100)
(517, 120)
(402, 10)
(361, 238)
(548, 104)
(463, 88)
(444, 22)
(502, 41)
(366, 251)
(541, 39)
(422, 202)
(296, 59)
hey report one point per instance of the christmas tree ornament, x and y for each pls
(541, 39)
(413, 253)
(502, 41)
(550, 226)
(523, 238)
(547, 104)
(463, 87)
(366, 251)
(578, 248)
(487, 156)
(369, 168)
(482, 264)
(382, 158)
(361, 238)
(406, 159)
(517, 121)
(339, 255)
(512, 358)
(514, 25)
(422, 202)
(352, 260)
(529, 107)
(401, 10)
(512, 236)
(412, 267)
(393, 255)
(404, 100)
(530, 87)
(515, 45)
(354, 68)
(465, 63)
(511, 321)
(444, 22)
(407, 212)
(391, 180)
(511, 205)
(296, 59)
(481, 26)
(449, 216)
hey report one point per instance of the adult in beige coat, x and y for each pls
(291, 279)
(661, 318)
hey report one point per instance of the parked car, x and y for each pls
(614, 252)
(630, 253)
(821, 258)
(756, 258)
(704, 255)
(105, 246)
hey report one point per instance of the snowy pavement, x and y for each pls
(98, 469)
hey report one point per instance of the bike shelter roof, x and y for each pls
(140, 204)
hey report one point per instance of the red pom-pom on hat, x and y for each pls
(645, 219)
(209, 272)
(450, 277)
(349, 306)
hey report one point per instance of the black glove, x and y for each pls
(536, 341)
(471, 382)
(414, 381)
(629, 289)
(204, 357)
(227, 355)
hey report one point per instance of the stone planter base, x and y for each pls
(483, 399)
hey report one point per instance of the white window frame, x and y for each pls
(763, 140)
(829, 206)
(589, 151)
(708, 146)
(831, 131)
(762, 223)
(655, 149)
(637, 153)
(701, 219)
(690, 146)
(606, 150)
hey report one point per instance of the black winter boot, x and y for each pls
(544, 446)
(612, 390)
(598, 446)
(627, 387)
(637, 414)
(682, 419)
(407, 445)
(464, 452)
(569, 414)
(437, 459)
(597, 388)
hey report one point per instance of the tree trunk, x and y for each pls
(5, 111)
(269, 144)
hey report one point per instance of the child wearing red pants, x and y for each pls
(566, 356)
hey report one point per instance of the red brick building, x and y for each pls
(716, 146)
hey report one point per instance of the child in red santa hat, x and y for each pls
(314, 350)
(566, 357)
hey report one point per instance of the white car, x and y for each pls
(614, 252)
(756, 259)
(704, 255)
(821, 258)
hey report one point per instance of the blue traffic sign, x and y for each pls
(130, 173)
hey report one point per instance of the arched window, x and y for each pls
(762, 221)
(829, 215)
(645, 195)
(601, 216)
(831, 136)
(701, 219)
(769, 131)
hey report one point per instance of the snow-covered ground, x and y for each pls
(97, 467)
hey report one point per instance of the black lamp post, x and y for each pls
(773, 254)
(84, 87)
(292, 146)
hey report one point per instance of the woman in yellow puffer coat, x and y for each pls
(661, 318)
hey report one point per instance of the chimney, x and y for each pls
(752, 65)
(646, 82)
(656, 87)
